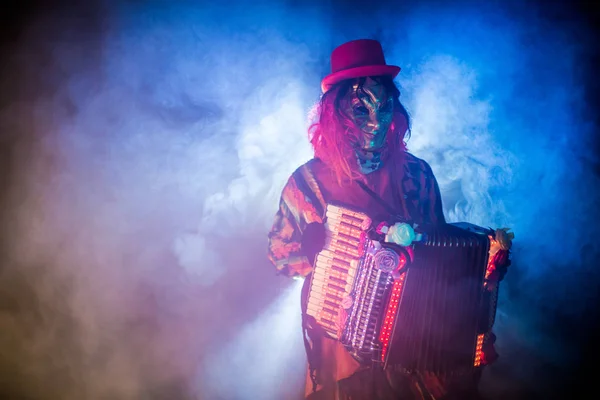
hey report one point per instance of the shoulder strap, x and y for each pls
(310, 187)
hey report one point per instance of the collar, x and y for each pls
(370, 161)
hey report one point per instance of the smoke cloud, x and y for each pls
(146, 147)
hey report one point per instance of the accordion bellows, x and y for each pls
(432, 314)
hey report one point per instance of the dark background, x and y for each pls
(85, 20)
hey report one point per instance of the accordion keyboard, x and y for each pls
(336, 267)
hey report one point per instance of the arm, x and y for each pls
(293, 233)
(432, 200)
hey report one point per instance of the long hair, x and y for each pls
(333, 133)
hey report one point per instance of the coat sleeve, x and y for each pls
(295, 213)
(432, 208)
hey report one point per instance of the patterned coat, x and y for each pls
(407, 184)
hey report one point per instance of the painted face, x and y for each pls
(371, 108)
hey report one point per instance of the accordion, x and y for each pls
(423, 307)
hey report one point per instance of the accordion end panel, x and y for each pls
(444, 313)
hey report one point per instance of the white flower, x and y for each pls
(400, 233)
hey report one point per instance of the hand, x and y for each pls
(313, 240)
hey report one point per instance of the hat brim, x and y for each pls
(358, 72)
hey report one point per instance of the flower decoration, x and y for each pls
(498, 261)
(386, 260)
(402, 234)
(502, 240)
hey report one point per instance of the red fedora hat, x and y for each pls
(356, 59)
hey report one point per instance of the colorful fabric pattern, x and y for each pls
(301, 204)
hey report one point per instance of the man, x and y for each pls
(360, 161)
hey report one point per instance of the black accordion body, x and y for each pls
(432, 313)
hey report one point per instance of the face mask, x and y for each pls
(371, 109)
